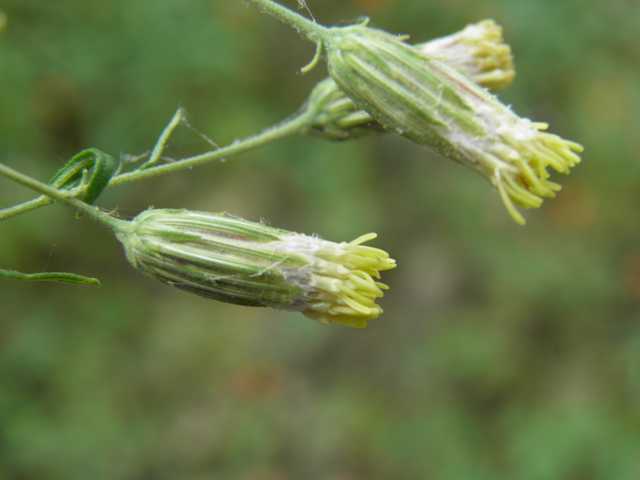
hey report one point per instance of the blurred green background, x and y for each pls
(504, 352)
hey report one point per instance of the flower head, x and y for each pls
(425, 100)
(237, 261)
(478, 52)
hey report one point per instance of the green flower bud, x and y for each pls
(434, 105)
(335, 116)
(233, 260)
(477, 52)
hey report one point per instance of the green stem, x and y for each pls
(25, 207)
(110, 223)
(164, 137)
(294, 126)
(310, 29)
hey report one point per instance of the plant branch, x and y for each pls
(62, 196)
(296, 125)
(285, 129)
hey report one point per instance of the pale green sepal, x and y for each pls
(213, 255)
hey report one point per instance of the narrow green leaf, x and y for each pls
(50, 277)
(104, 167)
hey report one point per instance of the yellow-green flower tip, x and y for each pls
(342, 289)
(521, 164)
(478, 51)
(236, 261)
(3, 21)
(436, 106)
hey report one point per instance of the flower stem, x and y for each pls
(25, 207)
(309, 29)
(285, 129)
(296, 125)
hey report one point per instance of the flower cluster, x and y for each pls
(437, 94)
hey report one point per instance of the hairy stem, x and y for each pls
(288, 128)
(309, 29)
(65, 197)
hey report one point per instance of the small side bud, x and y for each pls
(335, 116)
(236, 261)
